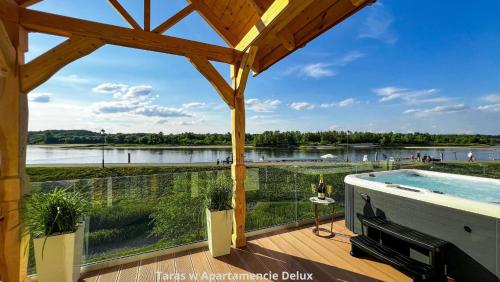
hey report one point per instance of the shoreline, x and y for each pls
(304, 147)
(250, 164)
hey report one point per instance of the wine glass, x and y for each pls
(313, 188)
(329, 190)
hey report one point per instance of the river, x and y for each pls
(57, 155)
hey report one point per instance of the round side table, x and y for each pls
(326, 202)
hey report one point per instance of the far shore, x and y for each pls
(250, 164)
(304, 147)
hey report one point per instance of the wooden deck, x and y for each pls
(289, 250)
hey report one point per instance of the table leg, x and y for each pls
(316, 218)
(333, 217)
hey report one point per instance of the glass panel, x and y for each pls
(135, 214)
(270, 197)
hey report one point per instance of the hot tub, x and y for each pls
(463, 210)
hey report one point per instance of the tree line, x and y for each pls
(265, 139)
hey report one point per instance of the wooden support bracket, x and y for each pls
(125, 15)
(243, 70)
(147, 15)
(174, 19)
(43, 67)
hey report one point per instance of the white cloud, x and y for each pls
(491, 98)
(378, 25)
(346, 102)
(125, 92)
(262, 117)
(134, 101)
(39, 97)
(324, 69)
(318, 70)
(341, 104)
(448, 109)
(146, 109)
(299, 106)
(348, 58)
(408, 96)
(135, 93)
(194, 105)
(112, 107)
(389, 93)
(328, 105)
(257, 105)
(72, 78)
(109, 88)
(160, 111)
(179, 122)
(490, 108)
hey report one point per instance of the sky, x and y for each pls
(402, 66)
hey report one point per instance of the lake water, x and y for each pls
(48, 155)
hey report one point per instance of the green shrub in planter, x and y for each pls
(54, 219)
(57, 212)
(219, 216)
(219, 195)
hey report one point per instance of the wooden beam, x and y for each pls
(214, 77)
(285, 36)
(9, 11)
(174, 19)
(243, 71)
(147, 15)
(66, 26)
(43, 67)
(27, 3)
(276, 17)
(7, 52)
(214, 21)
(287, 39)
(125, 15)
(257, 7)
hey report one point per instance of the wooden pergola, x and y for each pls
(258, 33)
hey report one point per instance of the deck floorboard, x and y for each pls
(291, 250)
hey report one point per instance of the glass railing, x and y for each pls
(135, 214)
(140, 213)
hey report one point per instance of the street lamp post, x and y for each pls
(347, 151)
(103, 134)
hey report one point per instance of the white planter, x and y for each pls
(61, 259)
(219, 227)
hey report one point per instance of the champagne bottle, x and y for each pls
(321, 188)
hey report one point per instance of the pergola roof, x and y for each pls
(276, 27)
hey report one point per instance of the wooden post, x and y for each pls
(239, 76)
(238, 171)
(13, 138)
